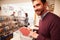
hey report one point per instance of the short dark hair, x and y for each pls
(43, 1)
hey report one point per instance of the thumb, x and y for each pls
(35, 31)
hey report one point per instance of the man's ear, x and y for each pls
(45, 5)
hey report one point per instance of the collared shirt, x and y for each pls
(42, 16)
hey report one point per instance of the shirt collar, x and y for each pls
(42, 16)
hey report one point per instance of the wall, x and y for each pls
(13, 1)
(57, 7)
(0, 6)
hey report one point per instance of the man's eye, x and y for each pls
(34, 6)
(37, 4)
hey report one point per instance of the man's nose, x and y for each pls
(36, 9)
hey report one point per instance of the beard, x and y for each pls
(39, 12)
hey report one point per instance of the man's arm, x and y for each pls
(55, 31)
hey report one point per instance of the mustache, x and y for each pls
(37, 10)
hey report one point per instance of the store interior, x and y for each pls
(13, 14)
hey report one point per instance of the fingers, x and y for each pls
(33, 34)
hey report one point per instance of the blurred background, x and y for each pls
(13, 15)
(9, 6)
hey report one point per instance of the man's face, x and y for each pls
(38, 7)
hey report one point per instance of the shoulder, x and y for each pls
(53, 16)
(54, 19)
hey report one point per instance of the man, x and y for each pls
(49, 25)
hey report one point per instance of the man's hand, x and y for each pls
(28, 32)
(33, 34)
